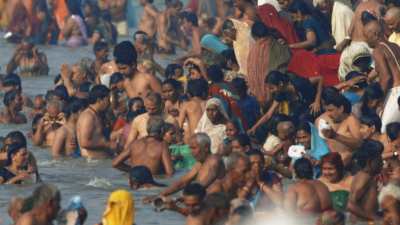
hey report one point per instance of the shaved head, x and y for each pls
(392, 19)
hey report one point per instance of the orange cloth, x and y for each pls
(60, 12)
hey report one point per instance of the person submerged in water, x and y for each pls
(74, 30)
(141, 177)
(13, 106)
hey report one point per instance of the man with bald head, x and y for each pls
(392, 20)
(386, 56)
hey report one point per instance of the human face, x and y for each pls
(296, 17)
(231, 131)
(366, 131)
(77, 75)
(53, 111)
(102, 54)
(187, 26)
(236, 147)
(133, 184)
(18, 103)
(392, 23)
(105, 103)
(372, 32)
(213, 114)
(194, 74)
(242, 167)
(169, 136)
(335, 113)
(193, 204)
(330, 172)
(391, 208)
(373, 103)
(168, 92)
(198, 153)
(285, 130)
(152, 108)
(257, 164)
(303, 138)
(126, 70)
(21, 157)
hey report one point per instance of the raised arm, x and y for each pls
(167, 161)
(59, 143)
(119, 161)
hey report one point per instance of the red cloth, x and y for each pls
(270, 17)
(119, 123)
(307, 64)
(192, 5)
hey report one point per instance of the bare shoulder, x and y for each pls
(213, 160)
(25, 219)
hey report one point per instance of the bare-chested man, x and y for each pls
(190, 24)
(100, 50)
(148, 22)
(154, 106)
(136, 84)
(341, 128)
(51, 121)
(356, 27)
(150, 151)
(386, 56)
(168, 31)
(307, 196)
(65, 140)
(207, 169)
(363, 201)
(90, 126)
(118, 15)
(13, 105)
(192, 110)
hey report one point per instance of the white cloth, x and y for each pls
(271, 142)
(342, 16)
(274, 3)
(391, 112)
(349, 55)
(242, 44)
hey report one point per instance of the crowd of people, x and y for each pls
(288, 107)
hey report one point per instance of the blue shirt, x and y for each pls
(250, 109)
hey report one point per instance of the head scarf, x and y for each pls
(120, 209)
(212, 43)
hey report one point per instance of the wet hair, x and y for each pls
(9, 97)
(372, 92)
(154, 97)
(132, 101)
(215, 73)
(176, 85)
(12, 150)
(304, 126)
(372, 120)
(367, 17)
(50, 94)
(335, 159)
(276, 78)
(99, 45)
(300, 6)
(125, 53)
(116, 78)
(338, 100)
(393, 130)
(354, 74)
(243, 140)
(240, 85)
(98, 92)
(259, 30)
(85, 87)
(141, 33)
(12, 79)
(17, 137)
(35, 122)
(170, 70)
(369, 150)
(43, 194)
(74, 106)
(195, 189)
(167, 127)
(203, 140)
(303, 169)
(155, 126)
(228, 25)
(228, 55)
(197, 88)
(255, 152)
(191, 18)
(61, 92)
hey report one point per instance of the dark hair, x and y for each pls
(300, 6)
(116, 77)
(12, 150)
(85, 87)
(99, 45)
(61, 92)
(367, 17)
(372, 92)
(17, 137)
(57, 78)
(190, 17)
(259, 30)
(240, 85)
(35, 121)
(304, 169)
(215, 73)
(338, 100)
(125, 53)
(74, 106)
(305, 126)
(228, 55)
(228, 25)
(243, 139)
(197, 88)
(170, 70)
(139, 32)
(369, 150)
(372, 120)
(154, 97)
(174, 83)
(74, 7)
(255, 152)
(12, 79)
(133, 101)
(276, 78)
(195, 189)
(393, 130)
(9, 97)
(98, 92)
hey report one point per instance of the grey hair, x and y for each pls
(155, 126)
(203, 140)
(232, 160)
(40, 196)
(390, 189)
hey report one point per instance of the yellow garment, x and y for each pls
(120, 209)
(284, 108)
(3, 17)
(395, 38)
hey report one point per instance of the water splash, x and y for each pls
(99, 183)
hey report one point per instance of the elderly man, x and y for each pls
(389, 200)
(392, 20)
(45, 203)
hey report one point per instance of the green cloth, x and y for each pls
(188, 160)
(339, 200)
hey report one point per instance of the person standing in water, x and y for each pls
(74, 30)
(148, 22)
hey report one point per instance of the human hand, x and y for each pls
(72, 217)
(315, 107)
(22, 176)
(356, 80)
(252, 130)
(65, 71)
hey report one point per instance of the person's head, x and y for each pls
(100, 49)
(241, 143)
(15, 207)
(73, 109)
(333, 167)
(39, 102)
(215, 111)
(303, 135)
(389, 201)
(61, 93)
(331, 217)
(27, 48)
(135, 104)
(392, 19)
(13, 100)
(250, 12)
(155, 126)
(370, 125)
(126, 58)
(194, 71)
(197, 88)
(215, 73)
(116, 81)
(232, 129)
(276, 82)
(171, 89)
(153, 103)
(284, 4)
(240, 166)
(145, 2)
(373, 31)
(303, 169)
(100, 95)
(393, 134)
(140, 176)
(173, 6)
(15, 137)
(169, 133)
(257, 161)
(189, 20)
(141, 40)
(229, 31)
(45, 200)
(369, 157)
(17, 155)
(120, 208)
(354, 74)
(200, 144)
(240, 86)
(393, 169)
(229, 61)
(371, 98)
(337, 106)
(259, 30)
(299, 10)
(12, 82)
(285, 129)
(173, 71)
(54, 108)
(193, 198)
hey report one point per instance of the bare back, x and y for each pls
(192, 112)
(141, 84)
(311, 196)
(391, 52)
(148, 22)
